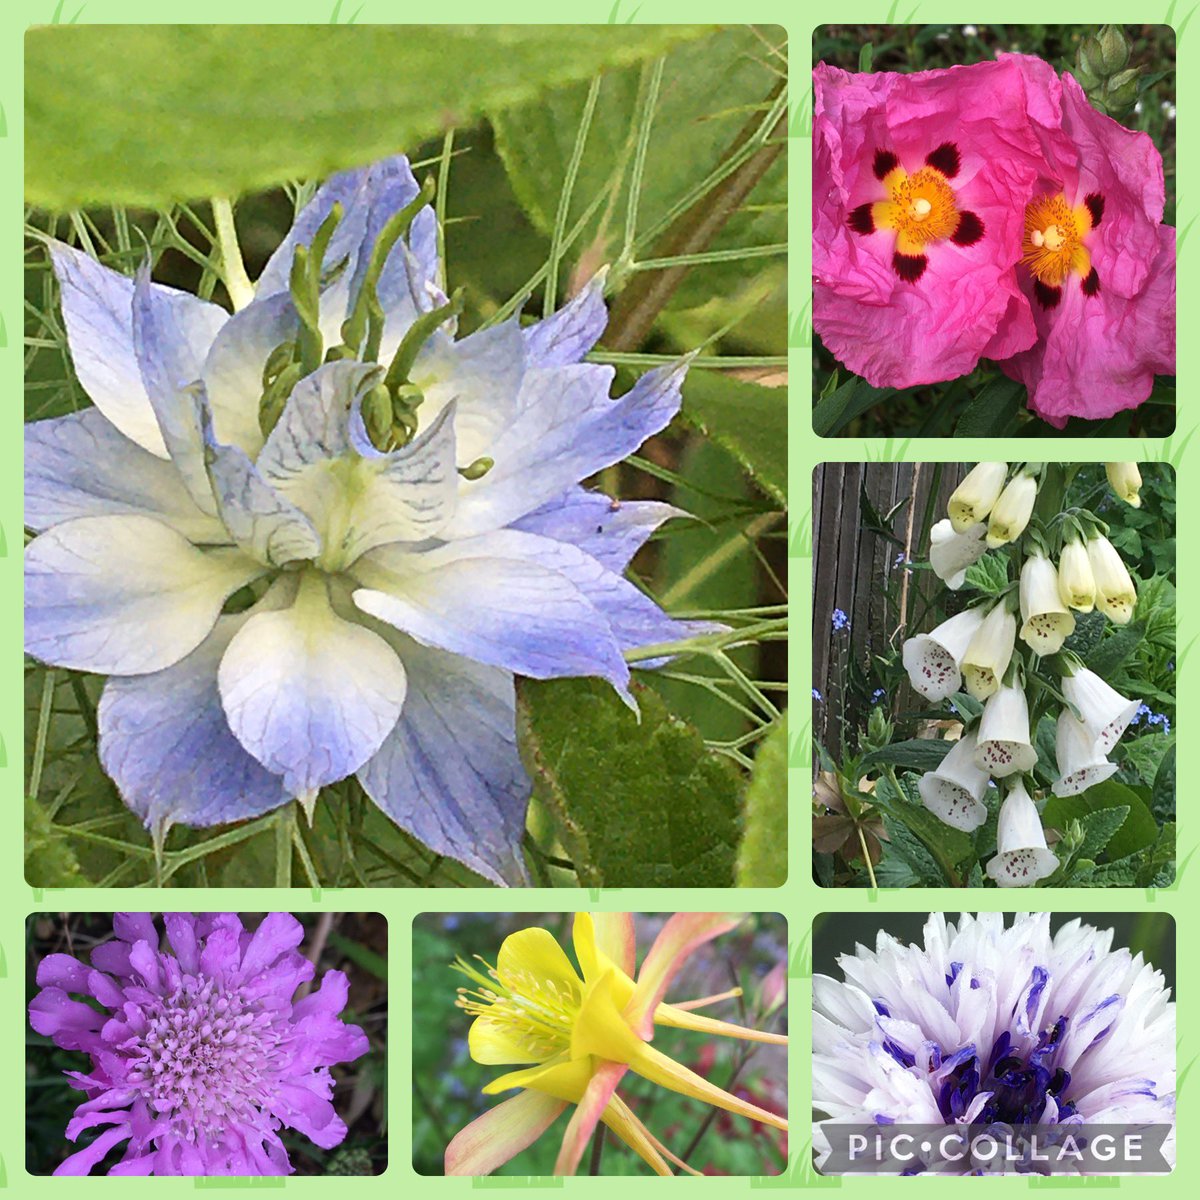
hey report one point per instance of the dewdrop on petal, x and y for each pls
(1081, 762)
(932, 659)
(1047, 622)
(1022, 858)
(1076, 584)
(1012, 511)
(973, 499)
(954, 792)
(1004, 744)
(1126, 482)
(1115, 593)
(990, 652)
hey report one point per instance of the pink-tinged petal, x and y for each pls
(624, 1122)
(680, 1018)
(616, 938)
(679, 937)
(587, 1114)
(83, 1162)
(502, 1132)
(701, 1001)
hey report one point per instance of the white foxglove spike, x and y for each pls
(1004, 747)
(951, 553)
(1115, 593)
(1076, 583)
(1012, 511)
(1081, 763)
(1103, 710)
(954, 792)
(932, 659)
(1047, 622)
(972, 500)
(1022, 858)
(990, 652)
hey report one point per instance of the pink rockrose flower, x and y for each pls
(920, 183)
(1097, 263)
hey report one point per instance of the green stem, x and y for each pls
(285, 830)
(233, 269)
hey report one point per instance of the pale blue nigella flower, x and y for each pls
(398, 512)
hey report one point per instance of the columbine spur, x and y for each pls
(199, 1055)
(319, 537)
(985, 1024)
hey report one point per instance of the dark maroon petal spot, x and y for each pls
(910, 267)
(969, 231)
(945, 159)
(1091, 284)
(1048, 297)
(860, 220)
(885, 162)
(1094, 202)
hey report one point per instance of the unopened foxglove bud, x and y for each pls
(1126, 481)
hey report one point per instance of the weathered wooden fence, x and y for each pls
(854, 565)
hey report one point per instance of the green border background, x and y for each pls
(800, 899)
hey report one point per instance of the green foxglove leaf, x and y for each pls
(762, 859)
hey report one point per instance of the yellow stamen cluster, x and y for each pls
(1053, 243)
(535, 1012)
(921, 208)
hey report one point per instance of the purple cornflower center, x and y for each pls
(206, 1057)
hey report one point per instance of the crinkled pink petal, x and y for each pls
(967, 304)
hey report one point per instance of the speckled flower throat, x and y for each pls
(1054, 246)
(921, 208)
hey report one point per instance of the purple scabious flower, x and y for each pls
(319, 537)
(993, 1025)
(199, 1054)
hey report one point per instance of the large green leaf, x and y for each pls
(148, 114)
(638, 803)
(748, 420)
(762, 860)
(1138, 830)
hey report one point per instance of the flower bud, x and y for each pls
(951, 553)
(989, 653)
(1111, 48)
(954, 792)
(1126, 482)
(972, 500)
(1103, 710)
(1115, 593)
(1047, 623)
(1081, 764)
(1121, 91)
(1076, 585)
(932, 659)
(1004, 747)
(1012, 511)
(1022, 858)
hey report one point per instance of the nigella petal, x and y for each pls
(449, 773)
(166, 744)
(566, 336)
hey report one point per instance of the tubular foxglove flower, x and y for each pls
(1021, 858)
(919, 182)
(951, 553)
(199, 1054)
(1004, 747)
(1115, 594)
(1012, 511)
(1103, 710)
(1126, 482)
(990, 652)
(1047, 623)
(582, 1031)
(954, 792)
(1076, 584)
(400, 509)
(988, 1025)
(1097, 263)
(975, 497)
(1081, 762)
(932, 659)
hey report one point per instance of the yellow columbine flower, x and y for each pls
(582, 1034)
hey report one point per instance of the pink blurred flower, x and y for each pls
(1097, 263)
(920, 184)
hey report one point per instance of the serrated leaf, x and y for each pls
(1116, 648)
(1098, 828)
(49, 860)
(638, 803)
(223, 109)
(1138, 830)
(762, 858)
(748, 420)
(908, 847)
